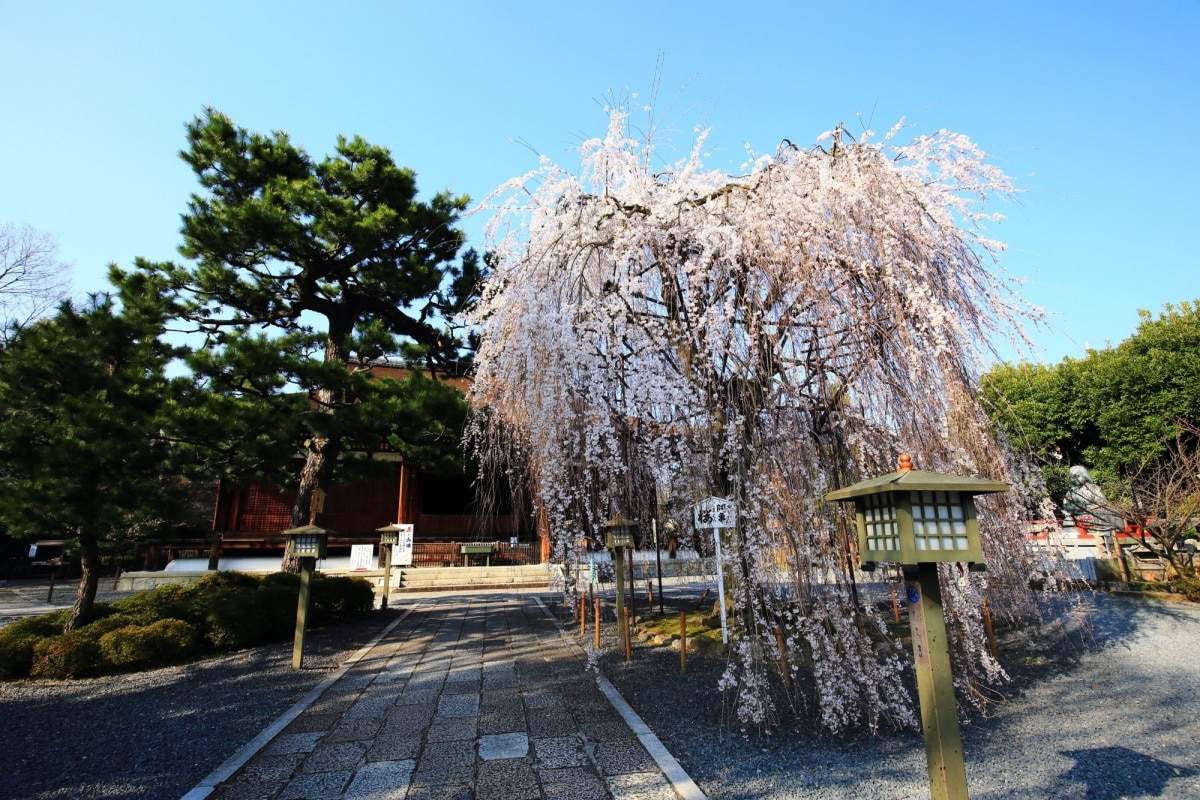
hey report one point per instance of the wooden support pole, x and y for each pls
(632, 591)
(387, 575)
(306, 570)
(895, 604)
(50, 593)
(628, 639)
(650, 594)
(582, 614)
(596, 617)
(683, 641)
(935, 686)
(117, 579)
(622, 619)
(784, 668)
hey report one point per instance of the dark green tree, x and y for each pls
(303, 275)
(1122, 411)
(83, 405)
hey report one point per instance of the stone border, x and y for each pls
(681, 782)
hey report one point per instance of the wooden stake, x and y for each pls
(582, 614)
(784, 669)
(628, 639)
(596, 617)
(117, 579)
(683, 641)
(895, 604)
(987, 627)
(650, 593)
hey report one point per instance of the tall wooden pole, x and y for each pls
(307, 564)
(619, 563)
(658, 561)
(387, 575)
(935, 686)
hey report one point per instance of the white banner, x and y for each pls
(402, 551)
(361, 556)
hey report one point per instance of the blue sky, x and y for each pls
(1091, 106)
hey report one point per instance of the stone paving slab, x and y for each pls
(463, 697)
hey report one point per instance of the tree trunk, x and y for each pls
(89, 580)
(322, 450)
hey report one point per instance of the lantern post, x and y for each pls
(308, 544)
(389, 535)
(919, 519)
(618, 535)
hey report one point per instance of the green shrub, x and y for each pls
(223, 604)
(1187, 586)
(98, 628)
(276, 599)
(339, 597)
(17, 642)
(68, 655)
(16, 655)
(43, 627)
(137, 646)
(221, 611)
(165, 602)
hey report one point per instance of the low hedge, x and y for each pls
(222, 611)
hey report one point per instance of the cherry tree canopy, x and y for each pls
(655, 335)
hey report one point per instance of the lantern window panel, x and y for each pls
(939, 520)
(883, 532)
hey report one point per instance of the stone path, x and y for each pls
(463, 697)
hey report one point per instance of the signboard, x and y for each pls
(402, 550)
(361, 556)
(715, 512)
(33, 551)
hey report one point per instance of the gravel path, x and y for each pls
(1105, 707)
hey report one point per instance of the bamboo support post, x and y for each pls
(683, 641)
(582, 614)
(895, 604)
(597, 619)
(628, 639)
(784, 668)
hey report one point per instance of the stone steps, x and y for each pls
(443, 579)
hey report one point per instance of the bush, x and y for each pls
(165, 602)
(1187, 586)
(17, 642)
(337, 598)
(69, 655)
(224, 606)
(16, 655)
(221, 611)
(138, 646)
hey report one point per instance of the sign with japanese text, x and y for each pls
(402, 550)
(715, 512)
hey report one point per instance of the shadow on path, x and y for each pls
(1113, 773)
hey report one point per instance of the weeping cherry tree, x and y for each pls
(671, 330)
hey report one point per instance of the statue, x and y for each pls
(1085, 499)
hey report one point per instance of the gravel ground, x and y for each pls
(1105, 706)
(155, 735)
